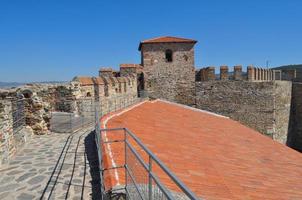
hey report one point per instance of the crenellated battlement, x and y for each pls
(253, 74)
(106, 86)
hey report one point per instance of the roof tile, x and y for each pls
(216, 157)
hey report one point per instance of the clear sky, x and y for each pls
(59, 39)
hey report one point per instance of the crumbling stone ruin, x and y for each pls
(27, 110)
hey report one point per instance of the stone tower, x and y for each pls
(168, 65)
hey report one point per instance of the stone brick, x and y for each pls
(251, 103)
(294, 139)
(106, 71)
(250, 73)
(7, 140)
(173, 81)
(238, 72)
(224, 72)
(210, 73)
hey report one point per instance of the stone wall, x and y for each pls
(263, 106)
(173, 81)
(7, 141)
(282, 98)
(294, 139)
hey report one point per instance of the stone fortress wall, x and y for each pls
(258, 98)
(263, 99)
(24, 111)
(110, 90)
(294, 139)
(7, 142)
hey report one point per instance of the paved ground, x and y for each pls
(56, 166)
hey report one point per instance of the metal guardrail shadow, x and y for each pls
(141, 169)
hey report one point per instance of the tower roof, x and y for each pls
(166, 39)
(84, 80)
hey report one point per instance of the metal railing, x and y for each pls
(109, 105)
(143, 171)
(78, 114)
(18, 113)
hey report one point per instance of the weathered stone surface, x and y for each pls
(7, 140)
(30, 182)
(173, 81)
(294, 139)
(263, 106)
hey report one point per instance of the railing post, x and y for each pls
(125, 141)
(70, 120)
(150, 178)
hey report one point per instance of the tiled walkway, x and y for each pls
(216, 157)
(55, 166)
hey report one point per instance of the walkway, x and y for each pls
(216, 157)
(55, 166)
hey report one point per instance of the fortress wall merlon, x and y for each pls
(250, 73)
(258, 73)
(269, 75)
(256, 76)
(278, 75)
(106, 71)
(210, 73)
(261, 74)
(238, 72)
(127, 69)
(203, 74)
(224, 72)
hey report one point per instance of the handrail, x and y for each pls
(173, 177)
(178, 182)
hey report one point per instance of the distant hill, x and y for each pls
(298, 70)
(10, 84)
(17, 84)
(298, 67)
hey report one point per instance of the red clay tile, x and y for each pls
(216, 157)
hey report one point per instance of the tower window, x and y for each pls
(169, 55)
(186, 57)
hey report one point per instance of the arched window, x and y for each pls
(88, 94)
(169, 55)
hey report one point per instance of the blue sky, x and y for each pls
(59, 39)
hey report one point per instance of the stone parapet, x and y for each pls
(210, 73)
(238, 72)
(7, 140)
(224, 73)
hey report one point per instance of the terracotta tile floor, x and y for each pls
(216, 157)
